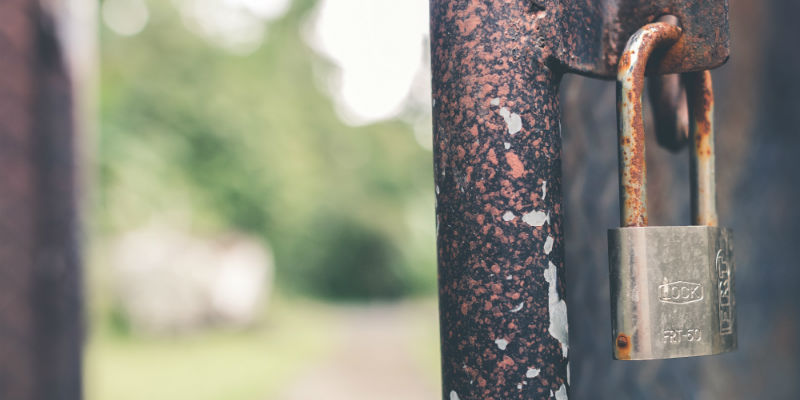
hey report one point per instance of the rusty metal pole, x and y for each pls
(497, 164)
(41, 320)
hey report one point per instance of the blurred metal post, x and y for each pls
(496, 68)
(41, 320)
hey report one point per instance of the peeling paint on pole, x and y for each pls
(497, 151)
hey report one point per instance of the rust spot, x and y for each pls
(622, 347)
(622, 341)
(492, 157)
(507, 362)
(517, 169)
(624, 62)
(469, 24)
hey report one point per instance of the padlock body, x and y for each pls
(672, 291)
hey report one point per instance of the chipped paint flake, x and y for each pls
(495, 101)
(519, 386)
(437, 189)
(548, 244)
(568, 383)
(501, 343)
(532, 372)
(544, 190)
(536, 218)
(518, 307)
(559, 328)
(453, 395)
(513, 120)
(561, 394)
(508, 216)
(507, 145)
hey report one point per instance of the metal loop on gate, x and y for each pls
(632, 165)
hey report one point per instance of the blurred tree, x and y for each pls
(213, 140)
(350, 260)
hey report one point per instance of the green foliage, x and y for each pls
(349, 260)
(196, 136)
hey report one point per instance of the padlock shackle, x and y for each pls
(630, 129)
(700, 96)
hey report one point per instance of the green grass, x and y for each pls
(247, 365)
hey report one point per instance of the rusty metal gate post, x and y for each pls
(41, 316)
(497, 152)
(496, 67)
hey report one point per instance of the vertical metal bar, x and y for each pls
(41, 326)
(700, 96)
(56, 295)
(17, 201)
(630, 124)
(497, 164)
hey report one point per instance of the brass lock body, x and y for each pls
(672, 287)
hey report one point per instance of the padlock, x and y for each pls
(671, 286)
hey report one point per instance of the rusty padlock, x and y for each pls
(671, 286)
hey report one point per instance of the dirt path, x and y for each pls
(383, 352)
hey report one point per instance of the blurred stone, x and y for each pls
(168, 281)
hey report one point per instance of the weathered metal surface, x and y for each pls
(497, 160)
(700, 95)
(632, 163)
(671, 292)
(41, 326)
(592, 33)
(630, 126)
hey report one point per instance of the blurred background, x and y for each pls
(256, 196)
(262, 207)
